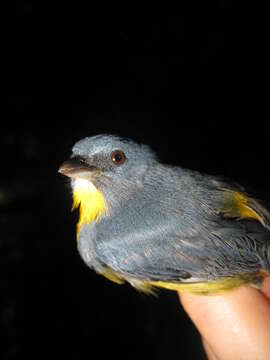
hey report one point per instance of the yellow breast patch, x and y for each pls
(90, 200)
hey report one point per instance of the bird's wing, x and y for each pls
(203, 253)
(203, 242)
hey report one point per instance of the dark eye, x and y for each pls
(118, 157)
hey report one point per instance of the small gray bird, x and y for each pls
(155, 225)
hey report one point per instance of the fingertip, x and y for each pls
(231, 323)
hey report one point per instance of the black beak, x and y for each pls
(76, 167)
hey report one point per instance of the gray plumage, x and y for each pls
(166, 223)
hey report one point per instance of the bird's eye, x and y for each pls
(118, 157)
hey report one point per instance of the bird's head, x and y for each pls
(105, 170)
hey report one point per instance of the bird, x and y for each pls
(155, 225)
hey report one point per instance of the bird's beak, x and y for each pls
(76, 167)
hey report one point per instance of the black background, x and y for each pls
(190, 85)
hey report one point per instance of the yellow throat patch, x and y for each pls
(90, 200)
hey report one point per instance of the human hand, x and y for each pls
(234, 325)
